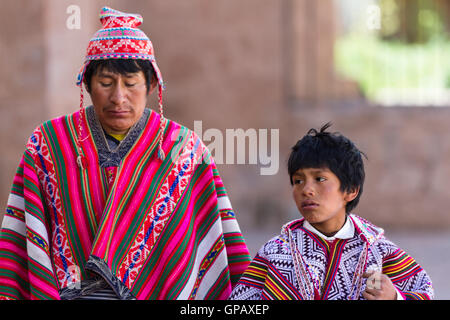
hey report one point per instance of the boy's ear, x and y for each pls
(351, 195)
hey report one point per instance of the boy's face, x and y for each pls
(319, 199)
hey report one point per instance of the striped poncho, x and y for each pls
(149, 229)
(300, 265)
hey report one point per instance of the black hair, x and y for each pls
(322, 149)
(120, 66)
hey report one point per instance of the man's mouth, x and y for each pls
(118, 112)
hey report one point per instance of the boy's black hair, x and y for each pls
(322, 149)
(121, 66)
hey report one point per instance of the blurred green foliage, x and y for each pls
(376, 64)
(412, 21)
(410, 50)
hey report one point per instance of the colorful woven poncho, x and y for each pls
(149, 229)
(300, 265)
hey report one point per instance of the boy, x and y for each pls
(330, 253)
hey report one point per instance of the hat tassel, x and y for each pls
(161, 154)
(81, 159)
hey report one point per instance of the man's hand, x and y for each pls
(379, 287)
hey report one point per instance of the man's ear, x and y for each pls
(152, 87)
(351, 195)
(86, 87)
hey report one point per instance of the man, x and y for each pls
(115, 201)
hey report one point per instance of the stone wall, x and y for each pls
(22, 87)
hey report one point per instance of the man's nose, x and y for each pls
(118, 95)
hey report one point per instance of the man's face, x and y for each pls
(317, 193)
(119, 100)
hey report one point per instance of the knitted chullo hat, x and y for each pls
(119, 39)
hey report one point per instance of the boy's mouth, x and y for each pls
(309, 204)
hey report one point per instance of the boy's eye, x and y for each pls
(105, 84)
(297, 181)
(130, 84)
(320, 179)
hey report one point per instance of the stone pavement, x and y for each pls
(431, 249)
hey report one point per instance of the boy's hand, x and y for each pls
(379, 287)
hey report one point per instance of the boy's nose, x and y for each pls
(308, 189)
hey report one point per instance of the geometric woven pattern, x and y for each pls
(331, 265)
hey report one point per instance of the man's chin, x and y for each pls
(115, 128)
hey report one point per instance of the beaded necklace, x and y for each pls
(311, 285)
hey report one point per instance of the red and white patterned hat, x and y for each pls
(119, 38)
